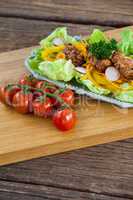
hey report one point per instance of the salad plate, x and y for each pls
(97, 66)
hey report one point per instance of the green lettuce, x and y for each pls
(35, 59)
(100, 46)
(126, 44)
(125, 96)
(98, 90)
(90, 86)
(96, 37)
(60, 32)
(61, 70)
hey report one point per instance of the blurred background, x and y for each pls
(23, 23)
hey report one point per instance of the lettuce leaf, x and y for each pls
(60, 32)
(95, 89)
(87, 84)
(96, 36)
(35, 59)
(125, 96)
(126, 44)
(60, 70)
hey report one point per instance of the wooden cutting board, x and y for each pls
(23, 137)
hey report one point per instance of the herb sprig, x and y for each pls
(103, 49)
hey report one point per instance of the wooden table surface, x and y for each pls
(104, 172)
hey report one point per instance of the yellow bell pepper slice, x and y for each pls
(51, 52)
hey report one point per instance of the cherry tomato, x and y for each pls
(64, 119)
(49, 89)
(2, 94)
(42, 107)
(39, 84)
(22, 102)
(46, 86)
(42, 84)
(37, 94)
(28, 80)
(10, 91)
(68, 97)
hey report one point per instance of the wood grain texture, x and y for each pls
(17, 33)
(114, 13)
(98, 173)
(29, 137)
(30, 191)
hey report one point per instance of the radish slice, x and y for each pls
(112, 74)
(58, 41)
(81, 70)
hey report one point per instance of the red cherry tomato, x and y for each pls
(2, 94)
(22, 102)
(64, 119)
(28, 80)
(10, 91)
(68, 97)
(46, 86)
(37, 94)
(49, 89)
(42, 107)
(39, 84)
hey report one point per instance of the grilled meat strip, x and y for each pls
(123, 64)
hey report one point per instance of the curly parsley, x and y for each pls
(103, 49)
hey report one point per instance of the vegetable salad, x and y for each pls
(101, 65)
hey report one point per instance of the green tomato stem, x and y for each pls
(26, 89)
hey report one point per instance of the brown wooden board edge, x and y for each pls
(52, 149)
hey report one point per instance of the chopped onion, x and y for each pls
(112, 74)
(77, 37)
(58, 41)
(81, 70)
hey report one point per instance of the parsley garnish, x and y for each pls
(103, 49)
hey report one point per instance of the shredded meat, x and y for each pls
(123, 64)
(100, 65)
(74, 54)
